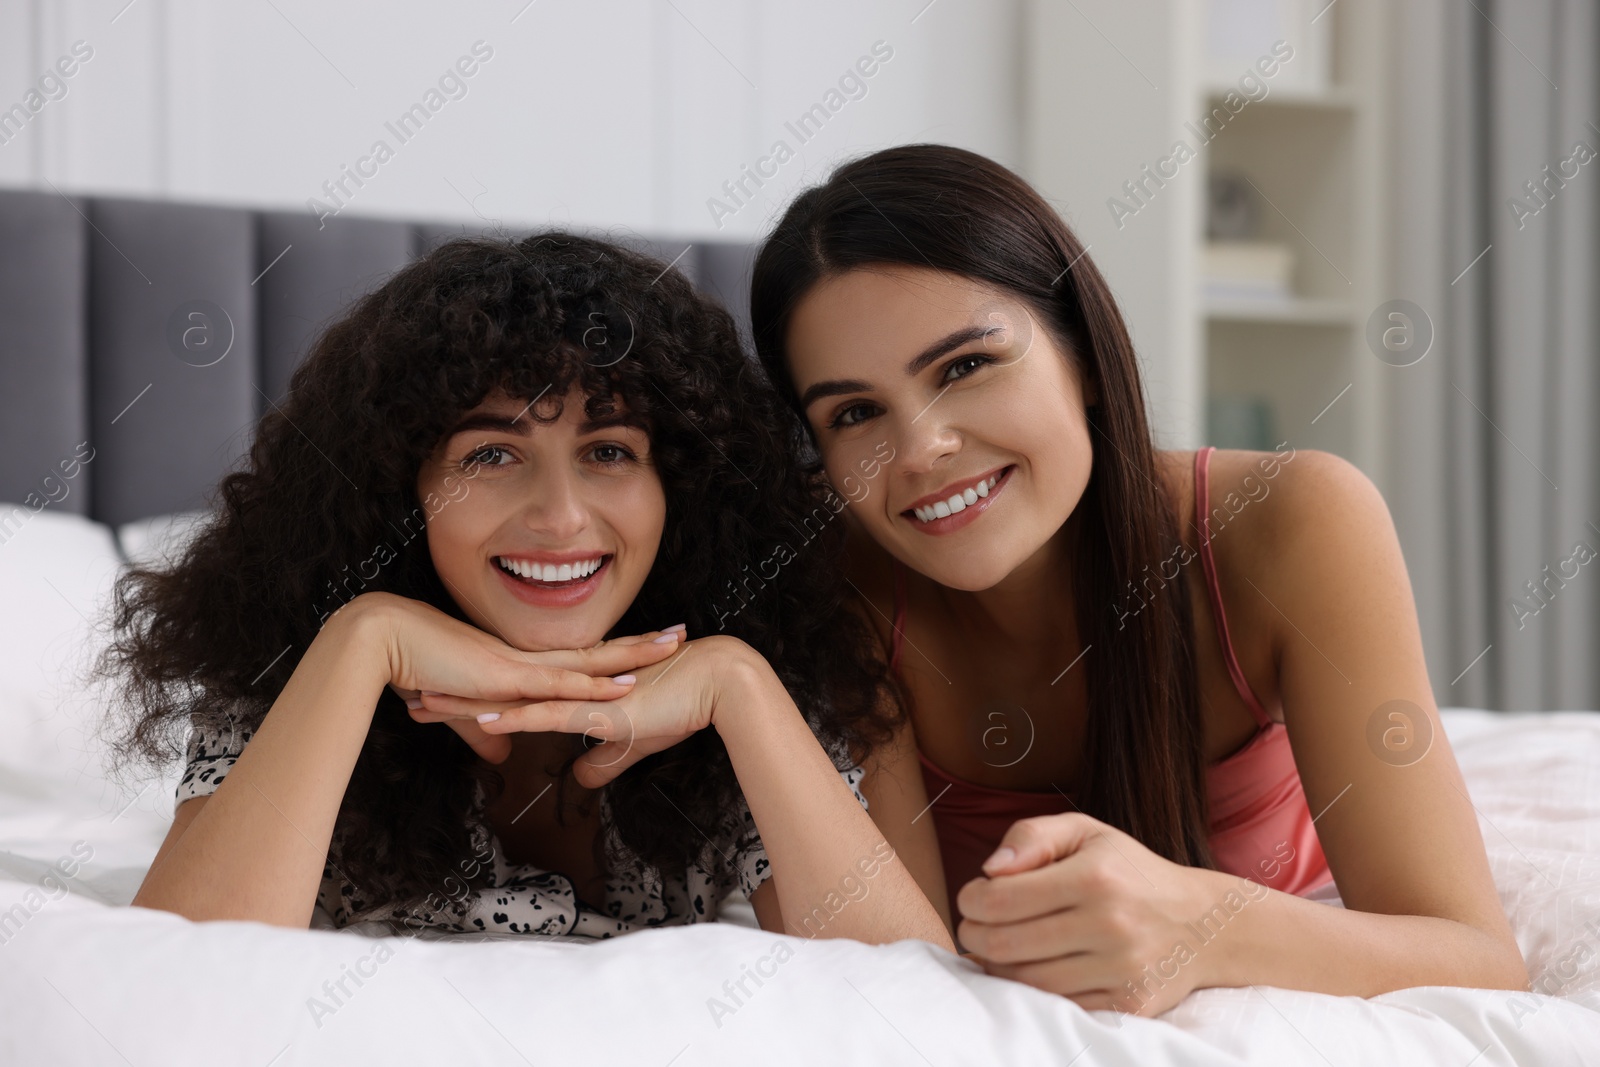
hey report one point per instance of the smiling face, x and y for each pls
(962, 384)
(547, 530)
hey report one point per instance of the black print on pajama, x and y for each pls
(522, 898)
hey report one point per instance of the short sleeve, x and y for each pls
(750, 864)
(211, 754)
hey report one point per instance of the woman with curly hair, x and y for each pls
(1160, 698)
(493, 483)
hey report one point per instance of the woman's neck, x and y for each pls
(1032, 607)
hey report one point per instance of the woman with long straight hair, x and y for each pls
(1133, 675)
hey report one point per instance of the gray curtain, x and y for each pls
(1494, 456)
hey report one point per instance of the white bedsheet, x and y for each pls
(86, 980)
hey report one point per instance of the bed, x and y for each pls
(86, 979)
(89, 291)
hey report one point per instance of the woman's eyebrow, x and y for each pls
(947, 343)
(833, 387)
(522, 426)
(486, 421)
(605, 422)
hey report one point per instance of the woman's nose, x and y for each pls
(925, 440)
(556, 508)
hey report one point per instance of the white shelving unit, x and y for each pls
(1109, 87)
(1313, 160)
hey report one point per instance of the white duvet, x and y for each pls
(86, 980)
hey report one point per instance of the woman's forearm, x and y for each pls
(257, 847)
(834, 873)
(1277, 939)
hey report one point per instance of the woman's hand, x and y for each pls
(670, 701)
(1077, 907)
(429, 651)
(817, 838)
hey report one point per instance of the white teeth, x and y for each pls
(550, 572)
(957, 502)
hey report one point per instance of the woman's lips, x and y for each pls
(970, 513)
(553, 594)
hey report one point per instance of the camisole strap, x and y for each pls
(899, 614)
(1202, 509)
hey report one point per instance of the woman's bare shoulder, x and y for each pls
(1270, 511)
(1255, 501)
(1301, 483)
(1236, 477)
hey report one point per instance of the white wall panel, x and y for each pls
(618, 113)
(18, 73)
(1110, 87)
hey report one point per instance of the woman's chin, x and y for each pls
(555, 634)
(968, 572)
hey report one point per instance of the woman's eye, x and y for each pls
(485, 457)
(851, 415)
(610, 455)
(960, 368)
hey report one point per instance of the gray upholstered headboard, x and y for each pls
(157, 332)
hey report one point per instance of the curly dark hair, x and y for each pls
(332, 473)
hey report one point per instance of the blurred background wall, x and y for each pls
(1308, 209)
(619, 112)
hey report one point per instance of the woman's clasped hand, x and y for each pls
(673, 691)
(1077, 907)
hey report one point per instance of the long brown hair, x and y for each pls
(944, 208)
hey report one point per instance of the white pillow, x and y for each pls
(160, 538)
(56, 573)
